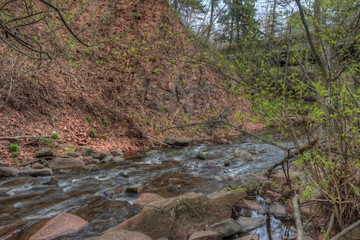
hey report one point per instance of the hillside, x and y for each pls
(142, 74)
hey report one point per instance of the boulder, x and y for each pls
(67, 164)
(249, 224)
(116, 153)
(8, 172)
(176, 142)
(36, 172)
(243, 155)
(97, 155)
(203, 156)
(122, 234)
(44, 152)
(279, 211)
(38, 165)
(107, 159)
(249, 204)
(181, 216)
(205, 235)
(226, 227)
(62, 224)
(118, 159)
(92, 168)
(85, 151)
(72, 154)
(147, 198)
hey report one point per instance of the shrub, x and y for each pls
(14, 147)
(92, 133)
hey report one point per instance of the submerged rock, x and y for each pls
(136, 188)
(64, 223)
(279, 211)
(243, 155)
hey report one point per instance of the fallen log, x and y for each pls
(346, 230)
(17, 138)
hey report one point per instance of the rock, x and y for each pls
(67, 164)
(205, 235)
(87, 160)
(96, 154)
(181, 216)
(273, 195)
(176, 142)
(249, 224)
(2, 163)
(119, 189)
(249, 237)
(202, 156)
(44, 152)
(243, 155)
(252, 182)
(123, 174)
(118, 159)
(107, 159)
(62, 224)
(38, 165)
(72, 154)
(147, 198)
(226, 227)
(116, 153)
(122, 234)
(52, 181)
(36, 172)
(279, 211)
(136, 188)
(252, 205)
(227, 163)
(8, 172)
(85, 151)
(94, 161)
(92, 168)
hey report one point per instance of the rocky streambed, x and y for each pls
(102, 189)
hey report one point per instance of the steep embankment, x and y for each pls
(143, 74)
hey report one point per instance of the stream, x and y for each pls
(26, 202)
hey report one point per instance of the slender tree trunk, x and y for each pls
(211, 23)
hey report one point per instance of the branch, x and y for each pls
(297, 217)
(290, 155)
(346, 230)
(22, 137)
(63, 20)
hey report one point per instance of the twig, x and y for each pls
(346, 230)
(297, 217)
(292, 154)
(157, 140)
(331, 224)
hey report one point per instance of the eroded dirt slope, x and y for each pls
(142, 74)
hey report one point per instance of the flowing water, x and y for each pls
(97, 197)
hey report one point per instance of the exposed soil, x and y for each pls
(143, 74)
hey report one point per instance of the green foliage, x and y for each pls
(47, 142)
(55, 136)
(92, 133)
(15, 154)
(14, 147)
(89, 119)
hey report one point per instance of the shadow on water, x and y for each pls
(26, 202)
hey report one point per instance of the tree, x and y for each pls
(29, 27)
